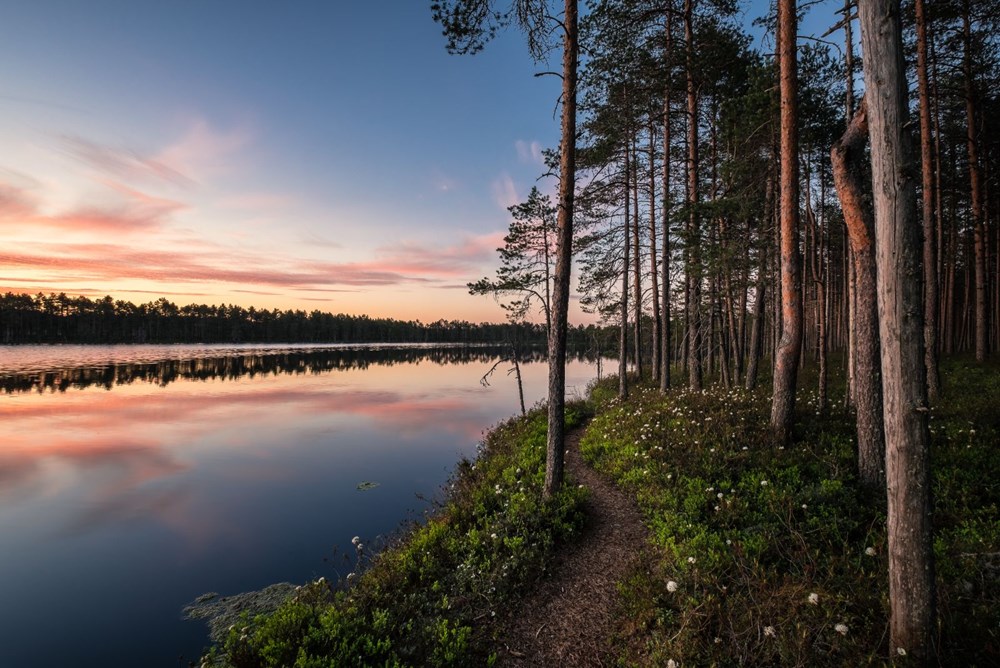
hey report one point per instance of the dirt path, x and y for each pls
(568, 618)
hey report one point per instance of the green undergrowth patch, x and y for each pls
(771, 555)
(425, 600)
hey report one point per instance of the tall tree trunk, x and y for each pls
(665, 258)
(847, 156)
(786, 358)
(637, 265)
(928, 192)
(693, 252)
(849, 108)
(654, 282)
(975, 189)
(626, 246)
(556, 441)
(900, 299)
(757, 328)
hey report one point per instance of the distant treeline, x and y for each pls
(60, 318)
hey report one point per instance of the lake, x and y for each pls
(135, 478)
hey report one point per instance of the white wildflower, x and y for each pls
(671, 663)
(356, 540)
(814, 598)
(870, 551)
(671, 586)
(691, 560)
(770, 632)
(493, 536)
(763, 483)
(900, 651)
(841, 629)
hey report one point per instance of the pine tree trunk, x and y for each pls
(623, 338)
(847, 156)
(556, 440)
(654, 282)
(786, 358)
(692, 250)
(900, 301)
(928, 191)
(975, 191)
(665, 258)
(636, 266)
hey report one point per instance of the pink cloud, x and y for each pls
(447, 262)
(135, 212)
(122, 163)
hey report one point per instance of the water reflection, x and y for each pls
(170, 471)
(23, 375)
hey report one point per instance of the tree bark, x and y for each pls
(692, 251)
(786, 362)
(636, 266)
(900, 301)
(556, 441)
(847, 156)
(928, 192)
(975, 189)
(623, 337)
(654, 283)
(665, 258)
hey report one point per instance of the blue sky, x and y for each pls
(326, 155)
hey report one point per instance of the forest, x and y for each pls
(58, 318)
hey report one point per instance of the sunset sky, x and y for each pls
(317, 155)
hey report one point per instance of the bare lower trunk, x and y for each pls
(786, 362)
(556, 441)
(900, 300)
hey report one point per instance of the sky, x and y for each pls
(322, 154)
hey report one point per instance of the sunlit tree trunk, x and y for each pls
(556, 441)
(786, 362)
(847, 157)
(900, 305)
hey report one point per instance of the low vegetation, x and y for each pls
(761, 554)
(771, 555)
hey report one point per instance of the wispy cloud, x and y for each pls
(504, 191)
(444, 262)
(529, 152)
(133, 211)
(121, 162)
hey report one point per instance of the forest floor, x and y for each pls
(569, 618)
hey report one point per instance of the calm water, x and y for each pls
(134, 478)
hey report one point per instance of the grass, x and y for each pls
(766, 555)
(425, 600)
